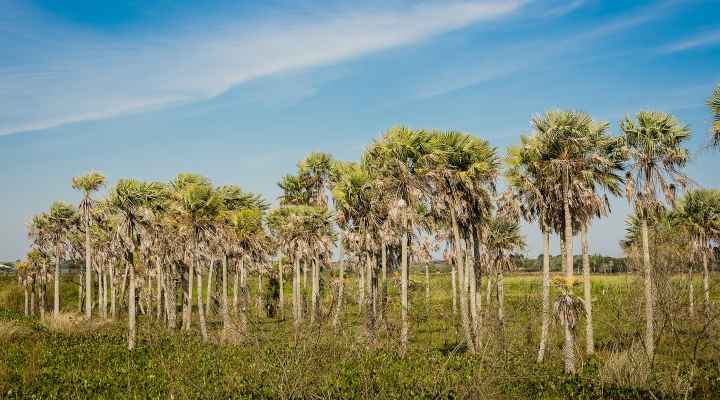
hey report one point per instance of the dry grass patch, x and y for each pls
(12, 330)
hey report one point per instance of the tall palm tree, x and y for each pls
(129, 199)
(88, 184)
(714, 104)
(61, 218)
(699, 212)
(395, 158)
(39, 232)
(654, 143)
(196, 205)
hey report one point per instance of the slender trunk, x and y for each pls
(501, 308)
(383, 261)
(171, 299)
(453, 280)
(341, 287)
(81, 292)
(427, 285)
(187, 302)
(462, 280)
(88, 272)
(281, 283)
(258, 295)
(404, 330)
(244, 290)
(43, 290)
(369, 310)
(569, 346)
(159, 293)
(315, 300)
(649, 292)
(545, 294)
(201, 307)
(131, 301)
(706, 286)
(691, 291)
(113, 306)
(476, 285)
(361, 288)
(32, 298)
(472, 289)
(236, 288)
(297, 300)
(225, 312)
(27, 300)
(587, 288)
(209, 290)
(56, 298)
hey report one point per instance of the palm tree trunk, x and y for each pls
(43, 291)
(706, 286)
(131, 302)
(569, 346)
(453, 280)
(281, 283)
(27, 300)
(384, 300)
(404, 329)
(649, 292)
(236, 288)
(209, 290)
(501, 308)
(160, 276)
(427, 285)
(225, 312)
(315, 300)
(88, 273)
(187, 301)
(201, 307)
(472, 286)
(258, 295)
(341, 286)
(587, 288)
(297, 299)
(463, 281)
(56, 299)
(369, 310)
(32, 298)
(691, 291)
(361, 288)
(545, 294)
(113, 306)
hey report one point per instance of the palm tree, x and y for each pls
(129, 199)
(195, 204)
(654, 144)
(88, 183)
(699, 212)
(714, 104)
(39, 232)
(61, 219)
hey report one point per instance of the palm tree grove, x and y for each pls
(406, 270)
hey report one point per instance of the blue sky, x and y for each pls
(240, 91)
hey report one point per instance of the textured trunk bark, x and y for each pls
(281, 284)
(258, 296)
(587, 291)
(649, 292)
(404, 329)
(209, 290)
(706, 286)
(236, 289)
(56, 295)
(472, 286)
(131, 302)
(113, 305)
(160, 276)
(545, 295)
(88, 273)
(297, 299)
(384, 296)
(315, 300)
(369, 310)
(43, 291)
(453, 280)
(32, 299)
(27, 301)
(462, 280)
(187, 302)
(569, 346)
(691, 291)
(361, 288)
(201, 307)
(225, 311)
(501, 308)
(341, 287)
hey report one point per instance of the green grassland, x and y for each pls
(72, 358)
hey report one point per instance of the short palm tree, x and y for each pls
(88, 184)
(654, 143)
(61, 220)
(699, 212)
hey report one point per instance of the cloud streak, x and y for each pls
(54, 74)
(705, 39)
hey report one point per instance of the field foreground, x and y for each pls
(72, 358)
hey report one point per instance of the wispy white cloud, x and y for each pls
(564, 9)
(53, 74)
(705, 39)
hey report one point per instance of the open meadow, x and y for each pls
(74, 358)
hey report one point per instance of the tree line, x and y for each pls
(413, 194)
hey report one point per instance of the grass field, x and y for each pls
(71, 358)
